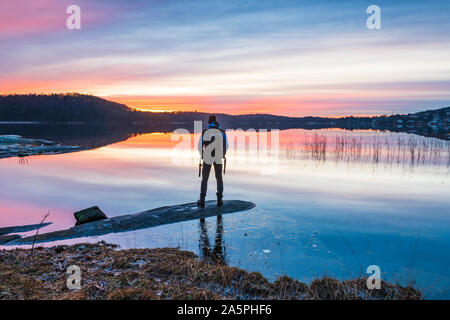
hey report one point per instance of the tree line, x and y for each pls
(65, 108)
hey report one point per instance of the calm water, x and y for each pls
(337, 202)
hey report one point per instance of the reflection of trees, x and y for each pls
(217, 254)
(23, 161)
(88, 136)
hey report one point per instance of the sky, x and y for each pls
(292, 58)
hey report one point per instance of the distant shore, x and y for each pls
(17, 146)
(165, 273)
(72, 108)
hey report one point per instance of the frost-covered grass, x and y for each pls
(166, 273)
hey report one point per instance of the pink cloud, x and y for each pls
(27, 17)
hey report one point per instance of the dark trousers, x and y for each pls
(205, 176)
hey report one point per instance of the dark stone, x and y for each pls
(141, 220)
(89, 215)
(9, 238)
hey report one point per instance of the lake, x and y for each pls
(328, 202)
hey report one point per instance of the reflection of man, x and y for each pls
(212, 146)
(217, 255)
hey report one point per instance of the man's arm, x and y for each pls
(225, 143)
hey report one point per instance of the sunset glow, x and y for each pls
(289, 58)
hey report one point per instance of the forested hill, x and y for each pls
(70, 108)
(62, 108)
(74, 107)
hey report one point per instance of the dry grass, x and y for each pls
(167, 273)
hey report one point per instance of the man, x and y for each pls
(212, 146)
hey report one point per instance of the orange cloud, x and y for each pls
(297, 106)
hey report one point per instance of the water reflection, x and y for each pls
(217, 255)
(402, 151)
(23, 161)
(339, 202)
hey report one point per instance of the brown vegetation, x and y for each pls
(108, 273)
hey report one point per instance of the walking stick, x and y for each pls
(200, 164)
(224, 164)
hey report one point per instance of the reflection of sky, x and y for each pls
(286, 57)
(315, 217)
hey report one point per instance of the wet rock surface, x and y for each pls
(17, 229)
(142, 220)
(8, 238)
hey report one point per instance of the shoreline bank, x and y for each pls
(163, 273)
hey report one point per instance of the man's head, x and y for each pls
(212, 119)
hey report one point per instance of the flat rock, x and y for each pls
(8, 238)
(26, 228)
(142, 220)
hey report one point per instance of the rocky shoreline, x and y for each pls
(165, 273)
(18, 146)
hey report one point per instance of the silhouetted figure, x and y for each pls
(208, 137)
(217, 255)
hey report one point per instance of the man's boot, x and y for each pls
(219, 201)
(201, 202)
